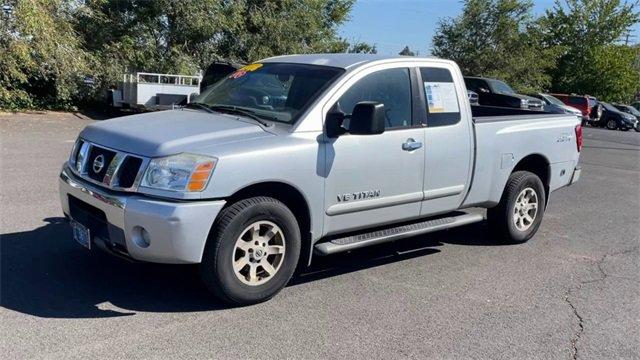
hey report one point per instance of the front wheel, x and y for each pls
(252, 252)
(518, 215)
(612, 125)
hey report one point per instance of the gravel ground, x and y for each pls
(572, 291)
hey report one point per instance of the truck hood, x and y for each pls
(170, 132)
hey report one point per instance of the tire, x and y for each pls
(502, 218)
(612, 124)
(271, 224)
(637, 128)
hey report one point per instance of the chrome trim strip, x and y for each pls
(443, 192)
(349, 207)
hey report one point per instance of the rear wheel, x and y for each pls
(612, 124)
(518, 215)
(252, 252)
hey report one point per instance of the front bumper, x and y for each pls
(177, 231)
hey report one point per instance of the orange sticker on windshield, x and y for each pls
(244, 70)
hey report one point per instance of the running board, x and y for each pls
(394, 233)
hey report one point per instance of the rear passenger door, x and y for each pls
(375, 179)
(448, 139)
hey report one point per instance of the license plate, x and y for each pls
(81, 234)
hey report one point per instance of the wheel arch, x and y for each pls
(540, 166)
(293, 198)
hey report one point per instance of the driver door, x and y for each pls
(372, 180)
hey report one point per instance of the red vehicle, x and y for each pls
(590, 107)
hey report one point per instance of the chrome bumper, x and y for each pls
(177, 231)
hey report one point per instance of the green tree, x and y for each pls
(610, 74)
(586, 32)
(183, 37)
(407, 52)
(497, 38)
(42, 63)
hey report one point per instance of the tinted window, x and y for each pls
(576, 100)
(273, 90)
(440, 94)
(501, 87)
(390, 87)
(476, 84)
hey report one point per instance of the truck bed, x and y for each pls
(504, 138)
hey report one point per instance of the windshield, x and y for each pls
(628, 109)
(500, 87)
(609, 107)
(553, 100)
(273, 91)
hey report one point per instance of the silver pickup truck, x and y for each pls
(310, 155)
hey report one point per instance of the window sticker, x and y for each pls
(244, 70)
(441, 97)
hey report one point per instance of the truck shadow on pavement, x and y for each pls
(44, 273)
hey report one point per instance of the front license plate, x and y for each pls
(81, 234)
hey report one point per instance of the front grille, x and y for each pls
(110, 168)
(129, 171)
(98, 162)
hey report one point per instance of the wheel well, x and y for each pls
(538, 165)
(293, 199)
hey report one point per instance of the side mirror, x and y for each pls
(368, 118)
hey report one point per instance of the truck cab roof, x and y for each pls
(344, 61)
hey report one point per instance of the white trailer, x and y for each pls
(155, 91)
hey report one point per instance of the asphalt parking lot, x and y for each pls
(573, 291)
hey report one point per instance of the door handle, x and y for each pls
(411, 145)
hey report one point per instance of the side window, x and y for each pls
(441, 96)
(390, 87)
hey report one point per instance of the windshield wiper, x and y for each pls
(197, 105)
(230, 109)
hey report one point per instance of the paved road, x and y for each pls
(573, 290)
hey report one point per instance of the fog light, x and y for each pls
(141, 237)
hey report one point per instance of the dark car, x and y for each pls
(630, 110)
(554, 105)
(493, 92)
(636, 105)
(614, 119)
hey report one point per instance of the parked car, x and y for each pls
(614, 119)
(553, 104)
(250, 187)
(493, 92)
(636, 105)
(630, 110)
(473, 97)
(216, 71)
(588, 105)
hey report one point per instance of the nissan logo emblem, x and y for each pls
(98, 163)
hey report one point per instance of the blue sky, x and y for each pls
(392, 24)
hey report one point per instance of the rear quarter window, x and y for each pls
(576, 100)
(442, 103)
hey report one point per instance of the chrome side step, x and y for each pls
(394, 233)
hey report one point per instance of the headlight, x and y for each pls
(524, 103)
(182, 172)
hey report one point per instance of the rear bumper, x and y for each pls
(177, 231)
(576, 175)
